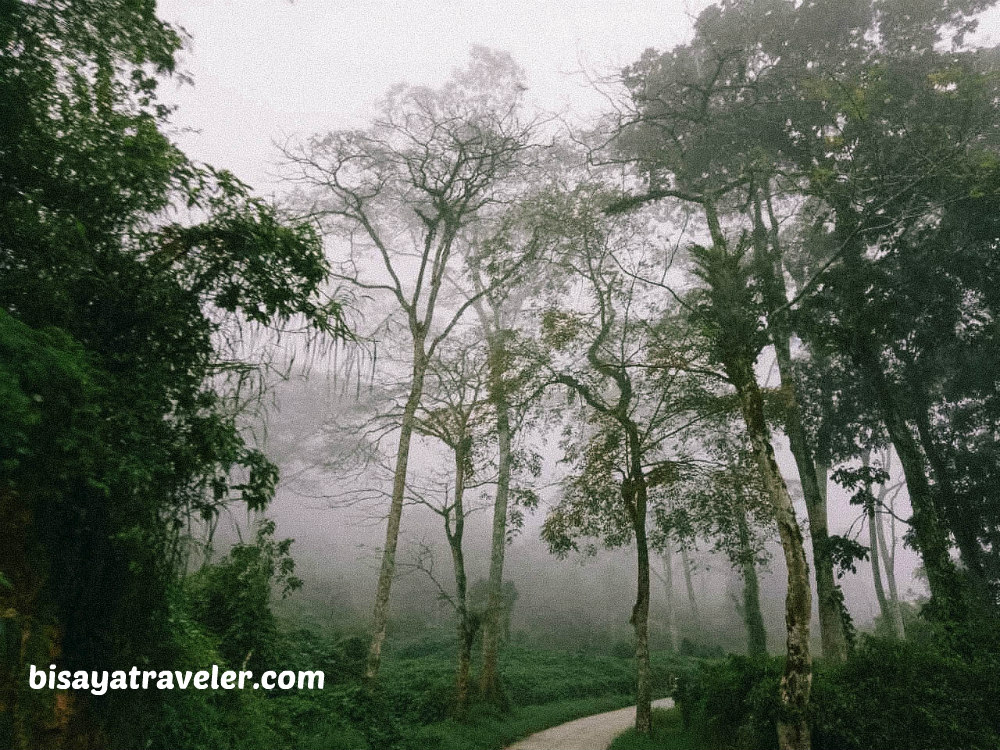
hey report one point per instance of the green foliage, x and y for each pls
(889, 694)
(198, 719)
(116, 429)
(412, 706)
(901, 694)
(733, 702)
(668, 734)
(231, 599)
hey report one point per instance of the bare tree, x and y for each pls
(397, 197)
(454, 413)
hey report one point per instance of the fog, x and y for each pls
(326, 504)
(266, 71)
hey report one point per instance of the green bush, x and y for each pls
(201, 719)
(889, 694)
(893, 694)
(231, 598)
(732, 702)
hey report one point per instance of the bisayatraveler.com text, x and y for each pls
(99, 682)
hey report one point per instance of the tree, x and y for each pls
(132, 434)
(512, 388)
(707, 114)
(453, 413)
(681, 141)
(633, 408)
(880, 553)
(400, 194)
(723, 500)
(871, 133)
(727, 310)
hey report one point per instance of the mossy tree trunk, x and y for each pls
(768, 268)
(731, 319)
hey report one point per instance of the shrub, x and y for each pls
(889, 694)
(893, 694)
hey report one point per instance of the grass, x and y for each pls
(414, 705)
(491, 732)
(668, 734)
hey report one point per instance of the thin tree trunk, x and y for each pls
(883, 603)
(489, 680)
(929, 533)
(640, 613)
(689, 585)
(963, 522)
(768, 265)
(668, 585)
(465, 627)
(752, 617)
(889, 563)
(930, 537)
(873, 523)
(388, 568)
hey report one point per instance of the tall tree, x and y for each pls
(453, 411)
(398, 196)
(634, 411)
(705, 121)
(728, 311)
(512, 390)
(689, 137)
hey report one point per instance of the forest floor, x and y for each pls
(589, 733)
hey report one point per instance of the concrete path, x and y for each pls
(589, 733)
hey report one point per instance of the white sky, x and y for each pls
(267, 69)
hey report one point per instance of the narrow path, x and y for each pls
(589, 733)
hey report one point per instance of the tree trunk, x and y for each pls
(388, 568)
(640, 613)
(831, 624)
(883, 603)
(889, 563)
(465, 627)
(930, 537)
(963, 522)
(829, 602)
(822, 472)
(752, 617)
(873, 543)
(689, 585)
(737, 355)
(668, 585)
(796, 682)
(489, 680)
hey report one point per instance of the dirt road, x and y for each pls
(589, 733)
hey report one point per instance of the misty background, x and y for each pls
(268, 71)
